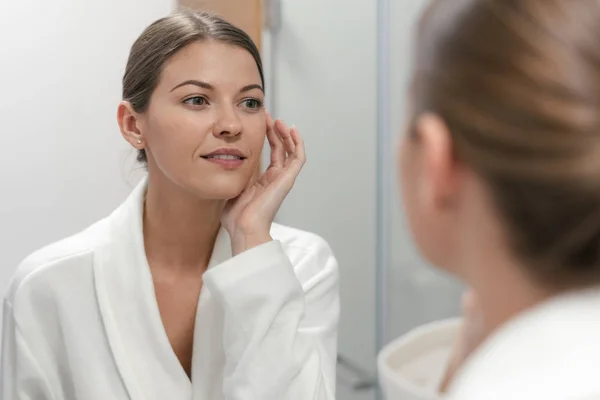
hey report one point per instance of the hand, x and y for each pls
(248, 217)
(470, 336)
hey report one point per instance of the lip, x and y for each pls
(226, 163)
(226, 151)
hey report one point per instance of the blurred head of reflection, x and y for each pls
(500, 163)
(194, 86)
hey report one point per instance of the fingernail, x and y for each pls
(293, 126)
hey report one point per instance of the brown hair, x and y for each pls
(165, 37)
(518, 84)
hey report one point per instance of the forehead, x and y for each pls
(217, 63)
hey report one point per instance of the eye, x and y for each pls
(252, 103)
(196, 101)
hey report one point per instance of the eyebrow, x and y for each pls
(250, 87)
(211, 87)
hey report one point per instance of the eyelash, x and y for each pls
(259, 103)
(204, 101)
(189, 100)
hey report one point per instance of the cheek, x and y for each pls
(176, 134)
(256, 130)
(406, 182)
(408, 179)
(429, 226)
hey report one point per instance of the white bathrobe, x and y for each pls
(81, 321)
(551, 352)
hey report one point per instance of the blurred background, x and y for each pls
(337, 69)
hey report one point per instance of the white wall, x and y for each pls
(63, 164)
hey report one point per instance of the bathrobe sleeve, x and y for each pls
(280, 326)
(21, 377)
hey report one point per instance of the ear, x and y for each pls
(128, 121)
(441, 168)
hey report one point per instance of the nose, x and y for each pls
(228, 123)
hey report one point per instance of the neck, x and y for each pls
(489, 266)
(180, 230)
(503, 288)
(507, 295)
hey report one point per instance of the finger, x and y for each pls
(298, 144)
(298, 159)
(268, 176)
(269, 120)
(284, 133)
(277, 150)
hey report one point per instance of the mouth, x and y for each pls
(227, 157)
(223, 157)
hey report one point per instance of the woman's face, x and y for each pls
(205, 126)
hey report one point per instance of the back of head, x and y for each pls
(518, 84)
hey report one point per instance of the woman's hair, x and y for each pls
(518, 84)
(165, 37)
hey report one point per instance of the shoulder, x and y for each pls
(309, 253)
(56, 262)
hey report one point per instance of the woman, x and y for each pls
(186, 291)
(500, 173)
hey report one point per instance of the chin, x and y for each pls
(220, 189)
(226, 194)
